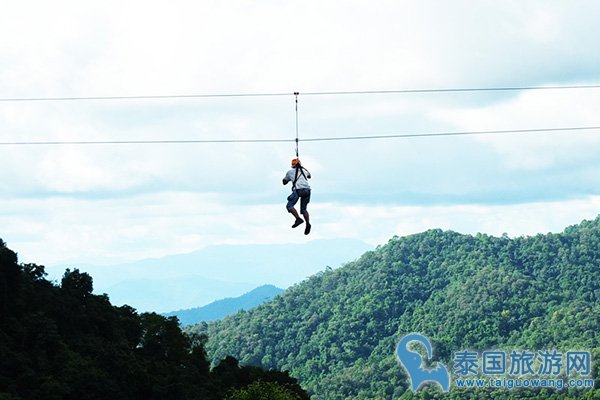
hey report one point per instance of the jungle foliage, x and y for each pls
(336, 331)
(63, 342)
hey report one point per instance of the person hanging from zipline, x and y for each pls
(299, 177)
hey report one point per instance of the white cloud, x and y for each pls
(171, 223)
(141, 201)
(536, 110)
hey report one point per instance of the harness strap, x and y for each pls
(301, 169)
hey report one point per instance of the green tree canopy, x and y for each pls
(337, 331)
(65, 343)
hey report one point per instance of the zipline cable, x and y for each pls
(274, 94)
(318, 139)
(463, 133)
(297, 141)
(451, 90)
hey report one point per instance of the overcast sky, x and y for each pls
(109, 203)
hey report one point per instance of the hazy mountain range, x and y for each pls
(221, 308)
(195, 279)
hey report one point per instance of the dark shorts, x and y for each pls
(303, 195)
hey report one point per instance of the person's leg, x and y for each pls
(308, 225)
(298, 220)
(306, 217)
(292, 200)
(304, 200)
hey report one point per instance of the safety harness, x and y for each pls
(299, 168)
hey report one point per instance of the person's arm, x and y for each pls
(286, 179)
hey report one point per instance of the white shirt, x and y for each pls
(301, 183)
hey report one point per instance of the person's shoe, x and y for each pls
(298, 222)
(307, 229)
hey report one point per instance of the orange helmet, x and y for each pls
(295, 161)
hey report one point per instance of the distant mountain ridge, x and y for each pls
(161, 295)
(221, 308)
(337, 331)
(195, 279)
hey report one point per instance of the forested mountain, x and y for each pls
(65, 343)
(337, 331)
(221, 308)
